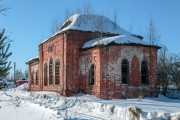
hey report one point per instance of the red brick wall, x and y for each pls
(75, 41)
(135, 71)
(65, 47)
(75, 64)
(53, 49)
(108, 71)
(87, 58)
(32, 69)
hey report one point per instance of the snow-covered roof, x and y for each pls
(120, 39)
(32, 59)
(91, 23)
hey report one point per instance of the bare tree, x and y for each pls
(56, 25)
(168, 70)
(162, 70)
(174, 66)
(20, 75)
(115, 18)
(131, 28)
(26, 73)
(10, 77)
(3, 8)
(87, 8)
(67, 13)
(99, 25)
(152, 35)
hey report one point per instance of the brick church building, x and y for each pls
(92, 54)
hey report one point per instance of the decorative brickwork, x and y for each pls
(75, 64)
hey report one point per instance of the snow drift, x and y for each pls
(89, 107)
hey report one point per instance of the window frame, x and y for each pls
(92, 75)
(57, 72)
(45, 74)
(51, 72)
(32, 79)
(37, 77)
(144, 73)
(125, 71)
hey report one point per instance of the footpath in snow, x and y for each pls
(18, 104)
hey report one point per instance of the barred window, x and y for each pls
(57, 75)
(51, 72)
(37, 78)
(91, 75)
(45, 74)
(144, 72)
(125, 71)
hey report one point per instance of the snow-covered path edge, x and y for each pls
(89, 107)
(75, 107)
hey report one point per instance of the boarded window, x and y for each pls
(57, 75)
(45, 74)
(144, 72)
(125, 71)
(51, 72)
(37, 78)
(91, 75)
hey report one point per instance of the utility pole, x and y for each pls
(14, 72)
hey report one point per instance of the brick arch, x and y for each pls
(57, 72)
(32, 76)
(45, 74)
(144, 72)
(135, 71)
(51, 71)
(37, 77)
(91, 74)
(125, 71)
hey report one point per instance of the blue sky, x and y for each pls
(29, 22)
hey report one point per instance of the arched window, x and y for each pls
(91, 75)
(57, 75)
(45, 74)
(51, 72)
(144, 72)
(32, 79)
(37, 78)
(125, 71)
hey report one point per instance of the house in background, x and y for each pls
(92, 54)
(20, 82)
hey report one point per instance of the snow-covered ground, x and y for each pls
(18, 104)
